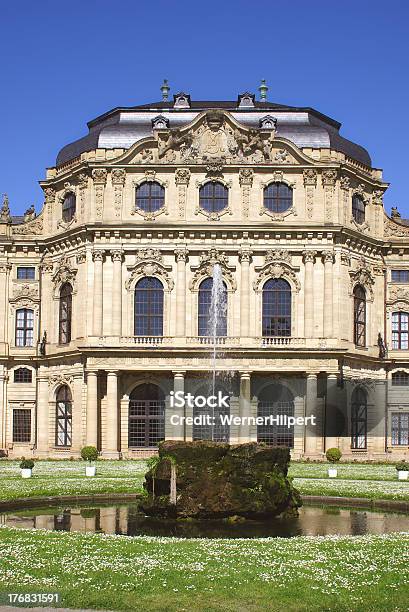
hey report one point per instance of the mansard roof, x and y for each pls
(122, 127)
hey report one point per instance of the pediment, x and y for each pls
(215, 135)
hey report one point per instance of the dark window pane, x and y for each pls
(276, 308)
(21, 425)
(217, 432)
(400, 330)
(150, 196)
(68, 207)
(26, 273)
(400, 379)
(65, 314)
(23, 375)
(359, 316)
(358, 209)
(278, 197)
(146, 419)
(63, 430)
(205, 323)
(400, 428)
(148, 303)
(358, 419)
(24, 327)
(275, 400)
(400, 276)
(213, 197)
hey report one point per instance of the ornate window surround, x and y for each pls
(68, 188)
(360, 191)
(24, 299)
(213, 216)
(149, 177)
(277, 177)
(277, 266)
(63, 273)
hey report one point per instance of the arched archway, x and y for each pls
(146, 416)
(275, 400)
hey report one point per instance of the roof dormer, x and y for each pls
(181, 100)
(246, 100)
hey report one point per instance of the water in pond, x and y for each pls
(127, 519)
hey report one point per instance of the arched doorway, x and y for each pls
(146, 416)
(275, 400)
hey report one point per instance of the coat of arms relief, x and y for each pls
(218, 138)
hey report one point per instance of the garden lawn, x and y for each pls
(122, 573)
(53, 478)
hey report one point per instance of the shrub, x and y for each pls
(333, 455)
(402, 466)
(27, 464)
(89, 453)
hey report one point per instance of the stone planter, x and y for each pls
(332, 472)
(26, 473)
(403, 474)
(90, 470)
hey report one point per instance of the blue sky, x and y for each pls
(62, 64)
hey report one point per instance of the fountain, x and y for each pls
(217, 316)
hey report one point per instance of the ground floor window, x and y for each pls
(275, 400)
(21, 425)
(400, 428)
(219, 432)
(146, 424)
(358, 419)
(63, 417)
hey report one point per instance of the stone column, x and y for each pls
(92, 408)
(42, 414)
(311, 409)
(3, 378)
(98, 257)
(245, 258)
(331, 413)
(111, 420)
(245, 406)
(176, 432)
(328, 258)
(117, 292)
(181, 258)
(309, 259)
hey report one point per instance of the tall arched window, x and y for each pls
(278, 197)
(358, 209)
(24, 327)
(150, 196)
(63, 429)
(358, 418)
(68, 207)
(276, 308)
(148, 307)
(359, 316)
(146, 421)
(400, 330)
(208, 324)
(275, 399)
(213, 197)
(219, 431)
(64, 330)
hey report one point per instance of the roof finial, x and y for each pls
(5, 216)
(263, 89)
(165, 90)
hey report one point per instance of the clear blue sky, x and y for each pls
(64, 63)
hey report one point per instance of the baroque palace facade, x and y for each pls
(105, 294)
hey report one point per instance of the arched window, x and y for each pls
(23, 375)
(400, 330)
(358, 209)
(24, 327)
(68, 207)
(219, 431)
(64, 329)
(278, 197)
(359, 316)
(275, 400)
(148, 307)
(276, 308)
(146, 421)
(63, 430)
(208, 325)
(213, 197)
(150, 196)
(400, 379)
(358, 418)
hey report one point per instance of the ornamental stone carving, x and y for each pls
(32, 227)
(310, 182)
(149, 263)
(25, 291)
(246, 176)
(181, 254)
(398, 293)
(118, 176)
(57, 380)
(207, 261)
(363, 276)
(309, 256)
(310, 177)
(5, 216)
(276, 270)
(274, 255)
(99, 176)
(98, 255)
(329, 177)
(64, 273)
(328, 256)
(117, 255)
(245, 255)
(182, 176)
(344, 182)
(392, 228)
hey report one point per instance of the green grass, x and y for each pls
(53, 478)
(122, 573)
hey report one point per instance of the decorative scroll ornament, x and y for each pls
(360, 191)
(362, 275)
(310, 182)
(276, 269)
(182, 178)
(275, 255)
(329, 178)
(149, 262)
(25, 291)
(246, 176)
(58, 380)
(49, 193)
(393, 228)
(32, 227)
(118, 176)
(310, 177)
(68, 188)
(64, 273)
(99, 176)
(181, 254)
(398, 294)
(207, 260)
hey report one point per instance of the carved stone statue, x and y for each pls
(43, 344)
(381, 346)
(5, 216)
(30, 213)
(174, 140)
(395, 214)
